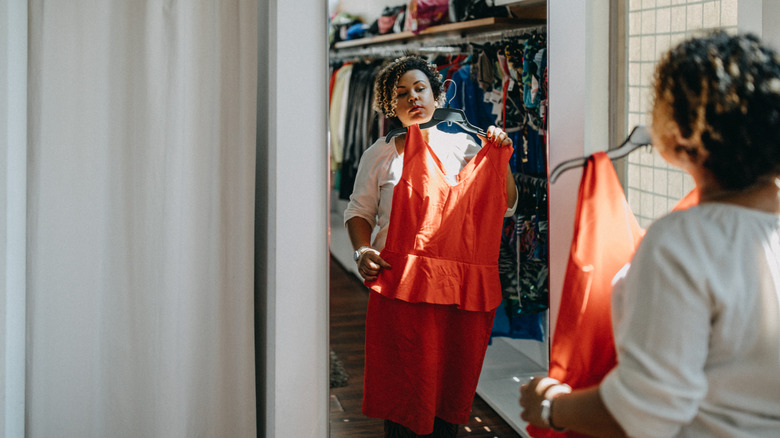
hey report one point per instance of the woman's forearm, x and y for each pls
(359, 231)
(584, 411)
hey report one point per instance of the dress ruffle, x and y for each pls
(422, 279)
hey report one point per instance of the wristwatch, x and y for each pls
(546, 415)
(359, 252)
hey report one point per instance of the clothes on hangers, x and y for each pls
(419, 240)
(534, 64)
(494, 94)
(338, 112)
(464, 94)
(523, 264)
(374, 182)
(606, 234)
(471, 93)
(426, 335)
(361, 124)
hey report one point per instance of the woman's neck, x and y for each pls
(763, 196)
(400, 140)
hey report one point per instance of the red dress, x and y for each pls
(606, 234)
(429, 317)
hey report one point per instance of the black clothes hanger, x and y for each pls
(449, 115)
(639, 137)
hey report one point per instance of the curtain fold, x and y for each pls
(13, 214)
(141, 218)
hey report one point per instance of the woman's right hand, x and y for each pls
(370, 264)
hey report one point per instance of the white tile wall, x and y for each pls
(653, 26)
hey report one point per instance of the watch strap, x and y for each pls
(360, 251)
(547, 405)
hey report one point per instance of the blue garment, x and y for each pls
(536, 154)
(508, 324)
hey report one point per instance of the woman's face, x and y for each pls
(415, 103)
(686, 153)
(662, 131)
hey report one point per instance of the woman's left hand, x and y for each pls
(498, 137)
(532, 394)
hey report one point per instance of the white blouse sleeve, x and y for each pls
(364, 200)
(661, 319)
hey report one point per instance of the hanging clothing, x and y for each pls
(422, 361)
(528, 228)
(429, 317)
(606, 234)
(337, 112)
(429, 265)
(523, 264)
(380, 169)
(465, 94)
(361, 123)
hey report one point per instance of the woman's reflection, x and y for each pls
(439, 201)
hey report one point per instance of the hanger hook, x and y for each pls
(455, 93)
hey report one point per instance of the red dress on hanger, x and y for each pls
(606, 234)
(429, 318)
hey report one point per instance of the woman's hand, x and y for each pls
(498, 137)
(581, 411)
(532, 394)
(369, 264)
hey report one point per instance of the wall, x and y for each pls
(578, 122)
(13, 217)
(770, 18)
(292, 220)
(760, 17)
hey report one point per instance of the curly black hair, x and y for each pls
(385, 93)
(726, 89)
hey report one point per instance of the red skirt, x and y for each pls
(422, 361)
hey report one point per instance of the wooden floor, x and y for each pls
(348, 301)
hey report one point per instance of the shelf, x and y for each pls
(508, 364)
(520, 3)
(462, 28)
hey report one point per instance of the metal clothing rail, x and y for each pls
(447, 44)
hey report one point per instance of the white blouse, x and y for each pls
(380, 170)
(697, 327)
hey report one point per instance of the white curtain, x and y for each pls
(13, 223)
(141, 158)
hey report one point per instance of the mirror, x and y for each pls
(519, 345)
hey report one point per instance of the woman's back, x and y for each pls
(697, 325)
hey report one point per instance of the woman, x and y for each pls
(697, 315)
(423, 352)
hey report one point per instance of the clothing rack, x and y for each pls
(444, 44)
